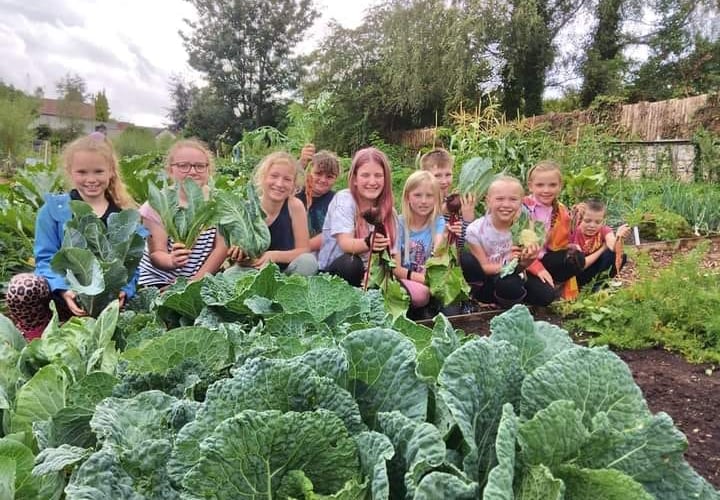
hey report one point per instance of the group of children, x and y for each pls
(315, 229)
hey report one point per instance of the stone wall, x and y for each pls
(638, 159)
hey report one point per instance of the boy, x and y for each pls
(319, 181)
(599, 244)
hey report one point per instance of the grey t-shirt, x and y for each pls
(340, 219)
(497, 245)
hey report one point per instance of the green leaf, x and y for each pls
(182, 297)
(262, 384)
(26, 485)
(161, 354)
(538, 483)
(445, 277)
(381, 374)
(7, 477)
(554, 435)
(59, 459)
(500, 480)
(475, 382)
(475, 177)
(241, 221)
(611, 484)
(596, 380)
(254, 452)
(320, 296)
(374, 450)
(39, 399)
(443, 485)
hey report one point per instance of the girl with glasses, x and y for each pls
(165, 260)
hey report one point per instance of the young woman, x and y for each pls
(346, 235)
(165, 260)
(92, 168)
(276, 179)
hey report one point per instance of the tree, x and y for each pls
(529, 51)
(72, 92)
(17, 112)
(211, 119)
(245, 49)
(181, 94)
(102, 108)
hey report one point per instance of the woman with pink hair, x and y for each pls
(346, 234)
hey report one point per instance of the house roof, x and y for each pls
(53, 107)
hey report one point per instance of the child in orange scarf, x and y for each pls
(559, 262)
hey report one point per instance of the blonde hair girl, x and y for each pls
(277, 178)
(92, 170)
(421, 229)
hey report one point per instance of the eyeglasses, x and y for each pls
(185, 167)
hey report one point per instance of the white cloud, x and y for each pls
(129, 48)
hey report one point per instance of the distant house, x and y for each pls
(54, 116)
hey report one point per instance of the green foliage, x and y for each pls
(241, 221)
(707, 161)
(135, 141)
(138, 172)
(102, 108)
(673, 308)
(245, 51)
(656, 221)
(99, 261)
(445, 276)
(17, 112)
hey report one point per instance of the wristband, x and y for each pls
(367, 241)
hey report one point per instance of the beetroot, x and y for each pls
(373, 216)
(452, 202)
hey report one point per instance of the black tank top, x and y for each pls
(281, 232)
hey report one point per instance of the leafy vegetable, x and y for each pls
(98, 261)
(476, 175)
(525, 232)
(445, 276)
(183, 223)
(241, 221)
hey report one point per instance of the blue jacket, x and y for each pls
(49, 232)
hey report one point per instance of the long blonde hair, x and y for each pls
(415, 180)
(100, 145)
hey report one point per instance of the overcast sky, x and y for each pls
(130, 48)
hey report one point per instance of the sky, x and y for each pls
(129, 48)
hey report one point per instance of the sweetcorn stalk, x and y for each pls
(525, 232)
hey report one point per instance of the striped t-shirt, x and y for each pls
(152, 276)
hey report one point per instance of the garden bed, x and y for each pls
(689, 393)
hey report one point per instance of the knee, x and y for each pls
(304, 265)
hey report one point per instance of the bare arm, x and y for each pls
(488, 267)
(316, 242)
(298, 216)
(157, 248)
(215, 260)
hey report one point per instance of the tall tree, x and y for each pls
(529, 51)
(603, 61)
(245, 49)
(72, 92)
(102, 108)
(181, 94)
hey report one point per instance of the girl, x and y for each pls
(92, 168)
(346, 235)
(164, 260)
(558, 262)
(420, 230)
(276, 179)
(490, 243)
(317, 195)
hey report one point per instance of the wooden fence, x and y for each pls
(648, 121)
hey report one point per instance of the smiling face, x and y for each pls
(322, 182)
(444, 176)
(422, 199)
(190, 156)
(592, 221)
(504, 200)
(278, 183)
(369, 181)
(90, 174)
(545, 186)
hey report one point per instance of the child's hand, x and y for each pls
(122, 297)
(467, 207)
(546, 277)
(179, 255)
(380, 243)
(306, 154)
(236, 254)
(455, 228)
(69, 298)
(622, 232)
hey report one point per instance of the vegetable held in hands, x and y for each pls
(241, 222)
(525, 233)
(183, 223)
